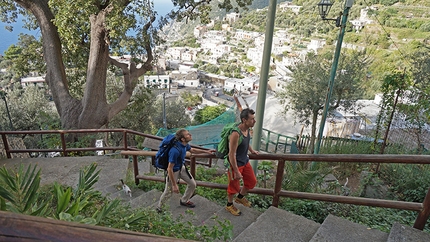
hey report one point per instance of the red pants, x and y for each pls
(248, 177)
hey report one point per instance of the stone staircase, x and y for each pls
(271, 225)
(274, 224)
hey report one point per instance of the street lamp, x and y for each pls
(3, 96)
(324, 7)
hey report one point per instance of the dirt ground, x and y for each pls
(353, 182)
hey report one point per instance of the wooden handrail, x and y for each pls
(20, 227)
(64, 150)
(277, 192)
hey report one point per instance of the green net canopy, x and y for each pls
(208, 134)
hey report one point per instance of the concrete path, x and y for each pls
(65, 170)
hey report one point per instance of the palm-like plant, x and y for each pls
(304, 176)
(19, 191)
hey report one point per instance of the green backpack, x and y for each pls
(222, 148)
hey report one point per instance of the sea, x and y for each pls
(9, 38)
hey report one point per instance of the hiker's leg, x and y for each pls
(191, 184)
(167, 190)
(249, 179)
(233, 186)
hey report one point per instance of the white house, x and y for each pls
(175, 52)
(232, 17)
(158, 81)
(199, 31)
(362, 21)
(241, 35)
(255, 56)
(36, 81)
(246, 85)
(316, 44)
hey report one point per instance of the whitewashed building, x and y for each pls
(35, 80)
(156, 81)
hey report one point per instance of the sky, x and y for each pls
(8, 38)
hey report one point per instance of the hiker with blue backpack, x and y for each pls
(239, 166)
(176, 169)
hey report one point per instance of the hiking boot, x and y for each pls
(233, 210)
(243, 201)
(187, 204)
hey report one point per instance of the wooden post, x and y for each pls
(6, 145)
(424, 214)
(63, 144)
(193, 166)
(135, 169)
(278, 182)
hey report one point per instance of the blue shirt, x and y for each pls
(177, 155)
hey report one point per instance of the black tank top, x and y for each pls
(242, 150)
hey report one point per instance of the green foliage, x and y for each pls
(208, 113)
(26, 56)
(303, 177)
(314, 210)
(373, 217)
(19, 191)
(189, 41)
(266, 167)
(190, 99)
(394, 84)
(149, 185)
(409, 182)
(211, 175)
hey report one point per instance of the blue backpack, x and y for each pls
(162, 156)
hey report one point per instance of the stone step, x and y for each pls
(198, 215)
(401, 233)
(335, 229)
(239, 223)
(279, 225)
(147, 199)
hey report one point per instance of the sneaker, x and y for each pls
(243, 201)
(233, 210)
(187, 204)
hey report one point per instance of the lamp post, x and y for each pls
(164, 111)
(3, 96)
(324, 8)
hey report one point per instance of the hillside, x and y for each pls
(391, 31)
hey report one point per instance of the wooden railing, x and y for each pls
(127, 139)
(423, 208)
(20, 227)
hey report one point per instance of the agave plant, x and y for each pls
(19, 191)
(70, 204)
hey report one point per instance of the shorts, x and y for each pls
(248, 178)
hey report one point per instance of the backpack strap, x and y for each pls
(180, 155)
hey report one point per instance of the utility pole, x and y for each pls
(264, 74)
